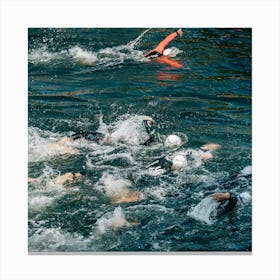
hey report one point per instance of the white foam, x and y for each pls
(112, 184)
(204, 211)
(129, 130)
(111, 221)
(126, 156)
(43, 144)
(103, 128)
(103, 58)
(158, 192)
(136, 41)
(42, 55)
(39, 202)
(150, 207)
(52, 239)
(157, 171)
(83, 56)
(246, 197)
(246, 170)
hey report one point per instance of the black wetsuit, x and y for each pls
(153, 54)
(91, 136)
(163, 163)
(227, 205)
(151, 131)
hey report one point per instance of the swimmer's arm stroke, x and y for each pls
(221, 196)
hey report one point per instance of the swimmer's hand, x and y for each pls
(220, 196)
(180, 32)
(31, 180)
(147, 118)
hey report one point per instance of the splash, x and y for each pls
(55, 239)
(43, 55)
(112, 184)
(129, 130)
(246, 171)
(38, 202)
(204, 211)
(132, 44)
(45, 144)
(83, 56)
(103, 58)
(111, 221)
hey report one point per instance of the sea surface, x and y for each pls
(89, 79)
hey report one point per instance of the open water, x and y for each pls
(98, 79)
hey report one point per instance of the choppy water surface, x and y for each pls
(98, 79)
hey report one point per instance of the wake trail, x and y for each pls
(138, 39)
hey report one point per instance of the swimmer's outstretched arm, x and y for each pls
(163, 44)
(31, 180)
(210, 147)
(69, 176)
(221, 196)
(61, 179)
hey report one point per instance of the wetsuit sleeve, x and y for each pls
(78, 135)
(162, 45)
(150, 131)
(227, 205)
(149, 141)
(91, 136)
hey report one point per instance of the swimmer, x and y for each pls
(117, 222)
(63, 145)
(159, 50)
(150, 127)
(94, 136)
(61, 179)
(62, 148)
(126, 196)
(114, 221)
(227, 201)
(122, 222)
(171, 141)
(210, 147)
(162, 55)
(168, 163)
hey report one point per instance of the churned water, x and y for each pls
(99, 80)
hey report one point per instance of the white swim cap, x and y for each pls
(172, 141)
(179, 161)
(170, 52)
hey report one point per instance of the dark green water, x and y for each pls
(89, 79)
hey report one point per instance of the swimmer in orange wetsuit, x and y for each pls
(161, 54)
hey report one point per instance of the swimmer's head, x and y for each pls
(169, 52)
(108, 140)
(179, 162)
(172, 141)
